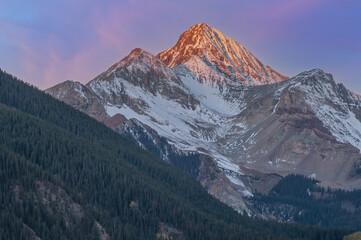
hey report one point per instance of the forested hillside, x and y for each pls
(299, 199)
(66, 176)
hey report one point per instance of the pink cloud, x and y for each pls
(112, 28)
(49, 62)
(49, 67)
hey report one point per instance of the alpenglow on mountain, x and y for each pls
(247, 124)
(212, 56)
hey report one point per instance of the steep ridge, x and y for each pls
(223, 58)
(145, 72)
(356, 96)
(79, 97)
(310, 129)
(142, 70)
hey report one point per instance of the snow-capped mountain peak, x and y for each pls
(333, 104)
(209, 95)
(138, 60)
(140, 72)
(221, 54)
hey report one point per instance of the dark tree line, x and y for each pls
(315, 205)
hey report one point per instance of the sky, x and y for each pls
(45, 42)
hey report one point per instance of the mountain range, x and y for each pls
(208, 98)
(64, 175)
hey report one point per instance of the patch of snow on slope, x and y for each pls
(189, 129)
(277, 96)
(170, 119)
(208, 95)
(79, 88)
(235, 180)
(206, 74)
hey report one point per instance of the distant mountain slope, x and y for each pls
(301, 199)
(64, 175)
(80, 97)
(307, 125)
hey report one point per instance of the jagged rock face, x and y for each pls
(55, 201)
(142, 71)
(356, 96)
(312, 131)
(79, 97)
(204, 49)
(253, 133)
